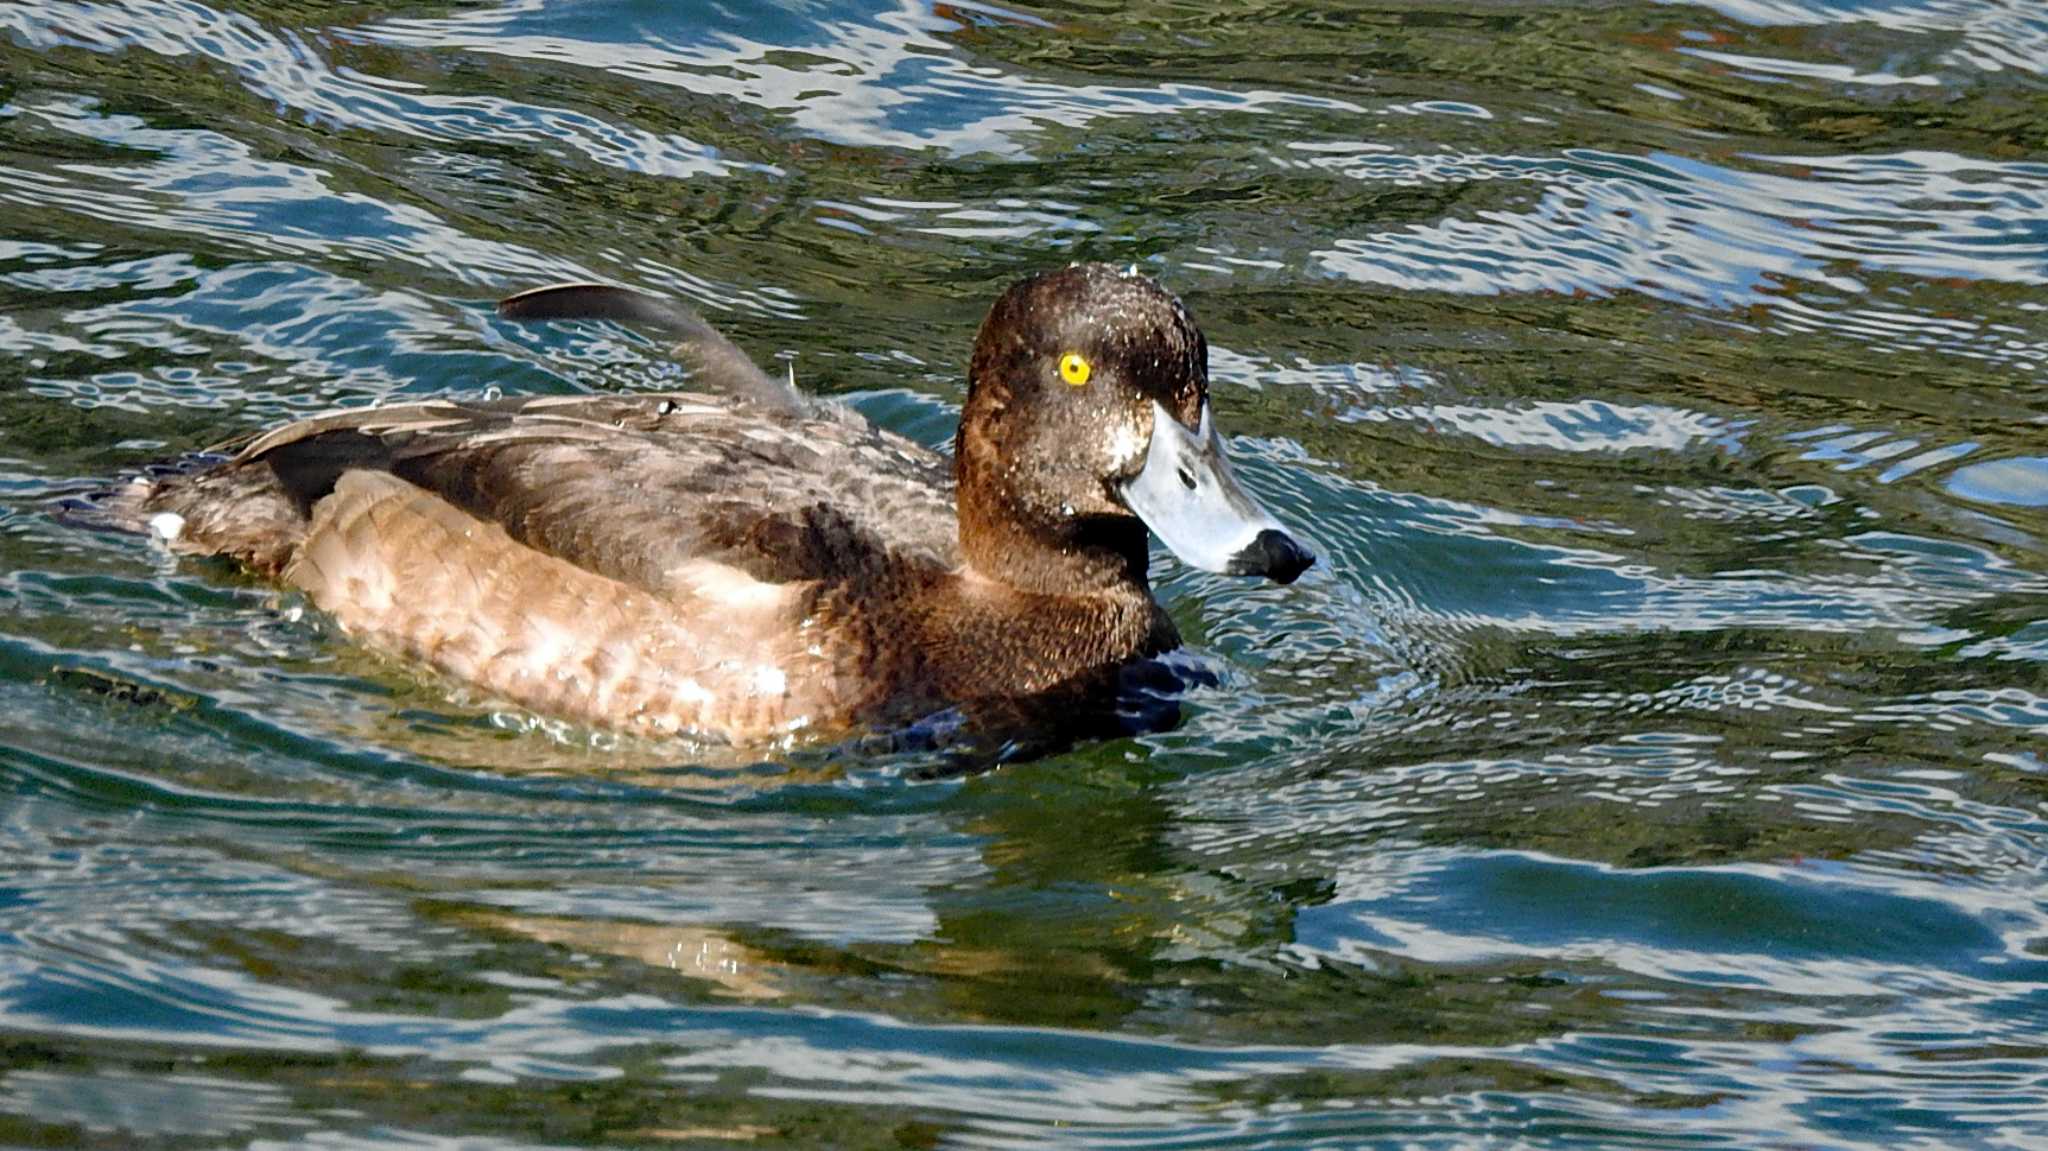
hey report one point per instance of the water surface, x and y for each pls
(1656, 760)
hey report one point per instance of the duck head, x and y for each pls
(1087, 421)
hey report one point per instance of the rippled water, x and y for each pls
(1657, 760)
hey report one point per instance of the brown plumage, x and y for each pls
(743, 566)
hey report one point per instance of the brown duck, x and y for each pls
(746, 563)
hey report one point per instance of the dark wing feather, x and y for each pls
(636, 488)
(720, 365)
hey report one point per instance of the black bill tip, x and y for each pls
(1275, 555)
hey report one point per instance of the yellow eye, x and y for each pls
(1074, 368)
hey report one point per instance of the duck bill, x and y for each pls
(1187, 496)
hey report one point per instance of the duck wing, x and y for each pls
(645, 489)
(719, 365)
(671, 562)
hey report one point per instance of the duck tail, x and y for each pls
(199, 504)
(127, 504)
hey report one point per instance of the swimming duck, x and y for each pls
(746, 563)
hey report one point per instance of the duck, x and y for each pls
(743, 563)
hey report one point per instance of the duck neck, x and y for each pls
(1037, 546)
(1077, 555)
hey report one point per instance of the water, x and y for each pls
(1657, 760)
